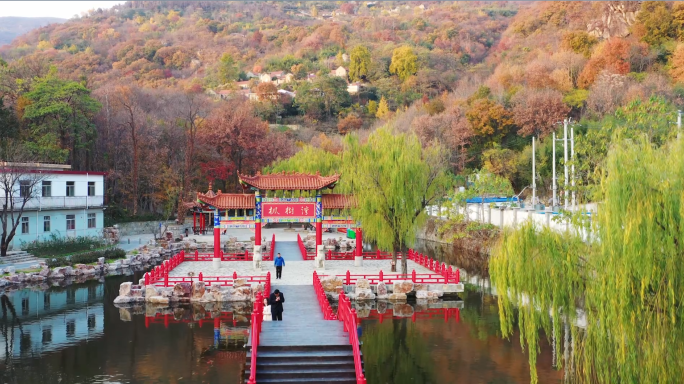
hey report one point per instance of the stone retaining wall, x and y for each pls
(399, 291)
(146, 227)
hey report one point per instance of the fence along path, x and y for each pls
(304, 347)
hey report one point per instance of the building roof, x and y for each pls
(289, 181)
(337, 201)
(222, 200)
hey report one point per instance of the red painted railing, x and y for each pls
(159, 275)
(452, 276)
(306, 255)
(347, 315)
(372, 255)
(245, 255)
(432, 313)
(421, 278)
(328, 313)
(271, 250)
(257, 319)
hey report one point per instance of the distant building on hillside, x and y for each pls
(339, 72)
(67, 203)
(277, 78)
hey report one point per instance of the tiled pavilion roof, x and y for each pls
(222, 200)
(337, 201)
(289, 181)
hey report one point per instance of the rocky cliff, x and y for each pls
(617, 18)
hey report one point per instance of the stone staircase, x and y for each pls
(304, 364)
(303, 348)
(19, 257)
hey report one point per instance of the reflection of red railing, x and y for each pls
(257, 319)
(166, 319)
(431, 313)
(347, 315)
(328, 313)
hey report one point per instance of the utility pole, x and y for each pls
(565, 163)
(553, 179)
(534, 179)
(572, 151)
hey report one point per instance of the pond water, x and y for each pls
(76, 335)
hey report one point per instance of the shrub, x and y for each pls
(87, 257)
(55, 245)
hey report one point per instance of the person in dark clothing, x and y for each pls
(276, 302)
(279, 263)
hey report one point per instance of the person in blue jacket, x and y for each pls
(279, 264)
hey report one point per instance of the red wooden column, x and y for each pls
(359, 242)
(257, 221)
(319, 224)
(217, 235)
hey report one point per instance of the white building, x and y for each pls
(68, 203)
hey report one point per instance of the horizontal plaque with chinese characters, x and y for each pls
(288, 210)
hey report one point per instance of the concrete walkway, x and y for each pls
(289, 250)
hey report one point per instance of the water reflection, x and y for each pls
(76, 335)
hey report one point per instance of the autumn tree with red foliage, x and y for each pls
(239, 141)
(349, 123)
(613, 56)
(537, 112)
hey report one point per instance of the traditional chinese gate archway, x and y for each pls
(267, 205)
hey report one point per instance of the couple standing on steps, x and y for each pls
(274, 306)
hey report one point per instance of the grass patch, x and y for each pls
(87, 257)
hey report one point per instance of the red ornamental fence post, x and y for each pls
(166, 280)
(329, 255)
(268, 283)
(235, 274)
(450, 272)
(377, 254)
(458, 275)
(246, 254)
(196, 255)
(413, 276)
(381, 276)
(147, 278)
(348, 278)
(200, 276)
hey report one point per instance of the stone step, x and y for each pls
(338, 362)
(303, 353)
(301, 373)
(19, 259)
(306, 380)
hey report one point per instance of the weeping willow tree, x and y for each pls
(628, 283)
(309, 160)
(393, 179)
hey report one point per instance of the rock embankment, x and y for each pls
(190, 292)
(398, 291)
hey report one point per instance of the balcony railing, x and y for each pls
(59, 202)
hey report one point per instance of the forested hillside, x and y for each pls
(167, 95)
